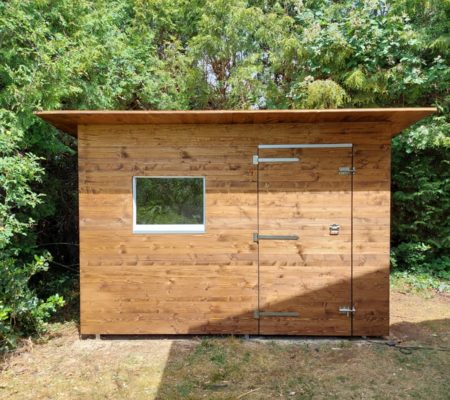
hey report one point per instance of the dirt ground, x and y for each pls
(64, 367)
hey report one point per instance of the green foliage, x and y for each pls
(421, 208)
(21, 311)
(209, 54)
(17, 171)
(325, 94)
(419, 281)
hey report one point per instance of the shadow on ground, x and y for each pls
(306, 368)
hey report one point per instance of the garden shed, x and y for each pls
(235, 222)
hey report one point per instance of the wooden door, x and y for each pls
(304, 281)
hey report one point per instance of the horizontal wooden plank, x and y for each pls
(171, 326)
(208, 283)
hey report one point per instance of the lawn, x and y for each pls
(63, 367)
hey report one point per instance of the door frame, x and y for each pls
(257, 160)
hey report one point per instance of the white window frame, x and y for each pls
(169, 228)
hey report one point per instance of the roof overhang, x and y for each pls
(399, 118)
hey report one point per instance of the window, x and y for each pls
(168, 204)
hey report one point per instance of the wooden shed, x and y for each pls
(235, 222)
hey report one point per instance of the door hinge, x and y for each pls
(257, 237)
(347, 171)
(257, 159)
(347, 310)
(258, 314)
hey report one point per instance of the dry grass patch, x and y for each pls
(66, 368)
(62, 367)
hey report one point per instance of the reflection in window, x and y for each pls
(169, 204)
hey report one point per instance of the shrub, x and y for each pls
(21, 312)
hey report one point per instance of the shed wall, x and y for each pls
(207, 283)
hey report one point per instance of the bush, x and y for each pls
(21, 312)
(421, 200)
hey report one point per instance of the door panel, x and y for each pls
(310, 276)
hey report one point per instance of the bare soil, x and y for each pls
(62, 366)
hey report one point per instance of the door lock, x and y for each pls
(334, 229)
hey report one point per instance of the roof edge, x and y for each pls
(68, 120)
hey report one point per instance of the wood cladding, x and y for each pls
(208, 283)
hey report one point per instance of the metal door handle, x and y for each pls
(257, 160)
(257, 237)
(258, 314)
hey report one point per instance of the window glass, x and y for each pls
(169, 204)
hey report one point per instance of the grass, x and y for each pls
(232, 368)
(62, 367)
(423, 282)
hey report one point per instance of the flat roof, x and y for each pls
(401, 118)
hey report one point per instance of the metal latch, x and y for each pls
(347, 171)
(334, 229)
(347, 310)
(257, 159)
(257, 237)
(258, 314)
